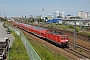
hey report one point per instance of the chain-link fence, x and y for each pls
(31, 52)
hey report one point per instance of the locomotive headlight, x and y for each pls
(66, 40)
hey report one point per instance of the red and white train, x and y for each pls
(58, 38)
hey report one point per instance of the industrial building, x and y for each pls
(55, 20)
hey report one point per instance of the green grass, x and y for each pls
(44, 52)
(80, 50)
(18, 51)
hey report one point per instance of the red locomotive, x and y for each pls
(56, 37)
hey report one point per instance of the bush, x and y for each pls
(72, 27)
(80, 50)
(89, 36)
(77, 30)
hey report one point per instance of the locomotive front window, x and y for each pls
(64, 37)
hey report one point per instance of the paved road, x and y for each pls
(3, 34)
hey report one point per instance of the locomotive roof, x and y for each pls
(26, 25)
(55, 32)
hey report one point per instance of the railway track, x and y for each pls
(85, 54)
(81, 47)
(74, 52)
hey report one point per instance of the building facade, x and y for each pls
(62, 14)
(81, 14)
(56, 14)
(86, 15)
(49, 16)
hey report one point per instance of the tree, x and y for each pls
(46, 18)
(69, 15)
(25, 16)
(3, 19)
(59, 17)
(22, 16)
(72, 17)
(40, 20)
(32, 20)
(77, 17)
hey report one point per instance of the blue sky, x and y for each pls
(34, 7)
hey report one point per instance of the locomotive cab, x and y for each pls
(64, 40)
